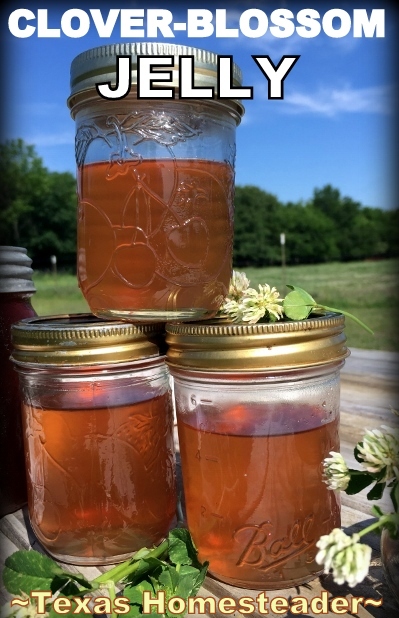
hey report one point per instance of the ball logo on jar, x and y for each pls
(264, 553)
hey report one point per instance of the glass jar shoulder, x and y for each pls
(95, 387)
(129, 132)
(241, 404)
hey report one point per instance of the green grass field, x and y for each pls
(367, 289)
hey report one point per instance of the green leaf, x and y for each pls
(392, 529)
(376, 492)
(69, 581)
(303, 292)
(358, 481)
(186, 585)
(168, 578)
(25, 571)
(377, 511)
(298, 304)
(135, 593)
(394, 493)
(157, 589)
(135, 611)
(61, 582)
(178, 574)
(181, 547)
(187, 569)
(197, 583)
(135, 596)
(145, 567)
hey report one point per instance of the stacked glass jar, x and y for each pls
(257, 406)
(155, 230)
(258, 411)
(155, 188)
(98, 427)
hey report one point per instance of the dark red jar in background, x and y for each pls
(16, 289)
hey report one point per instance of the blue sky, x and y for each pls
(336, 124)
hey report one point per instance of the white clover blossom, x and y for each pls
(380, 450)
(232, 308)
(257, 304)
(245, 304)
(239, 283)
(348, 559)
(336, 472)
(231, 305)
(16, 611)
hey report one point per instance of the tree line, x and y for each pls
(327, 228)
(38, 211)
(37, 207)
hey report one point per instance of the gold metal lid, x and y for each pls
(98, 65)
(82, 339)
(276, 346)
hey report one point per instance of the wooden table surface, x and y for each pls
(369, 392)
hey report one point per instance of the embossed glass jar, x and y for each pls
(98, 430)
(258, 411)
(155, 188)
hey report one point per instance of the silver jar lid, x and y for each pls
(15, 271)
(98, 65)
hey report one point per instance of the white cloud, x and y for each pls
(334, 101)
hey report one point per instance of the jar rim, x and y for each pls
(276, 346)
(98, 64)
(83, 339)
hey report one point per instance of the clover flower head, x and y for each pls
(239, 283)
(379, 450)
(348, 559)
(336, 472)
(232, 308)
(30, 611)
(245, 304)
(258, 304)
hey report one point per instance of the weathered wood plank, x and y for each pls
(380, 365)
(14, 536)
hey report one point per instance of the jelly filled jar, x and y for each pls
(155, 181)
(258, 411)
(16, 289)
(98, 431)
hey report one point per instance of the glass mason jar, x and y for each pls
(98, 429)
(16, 289)
(258, 411)
(155, 183)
